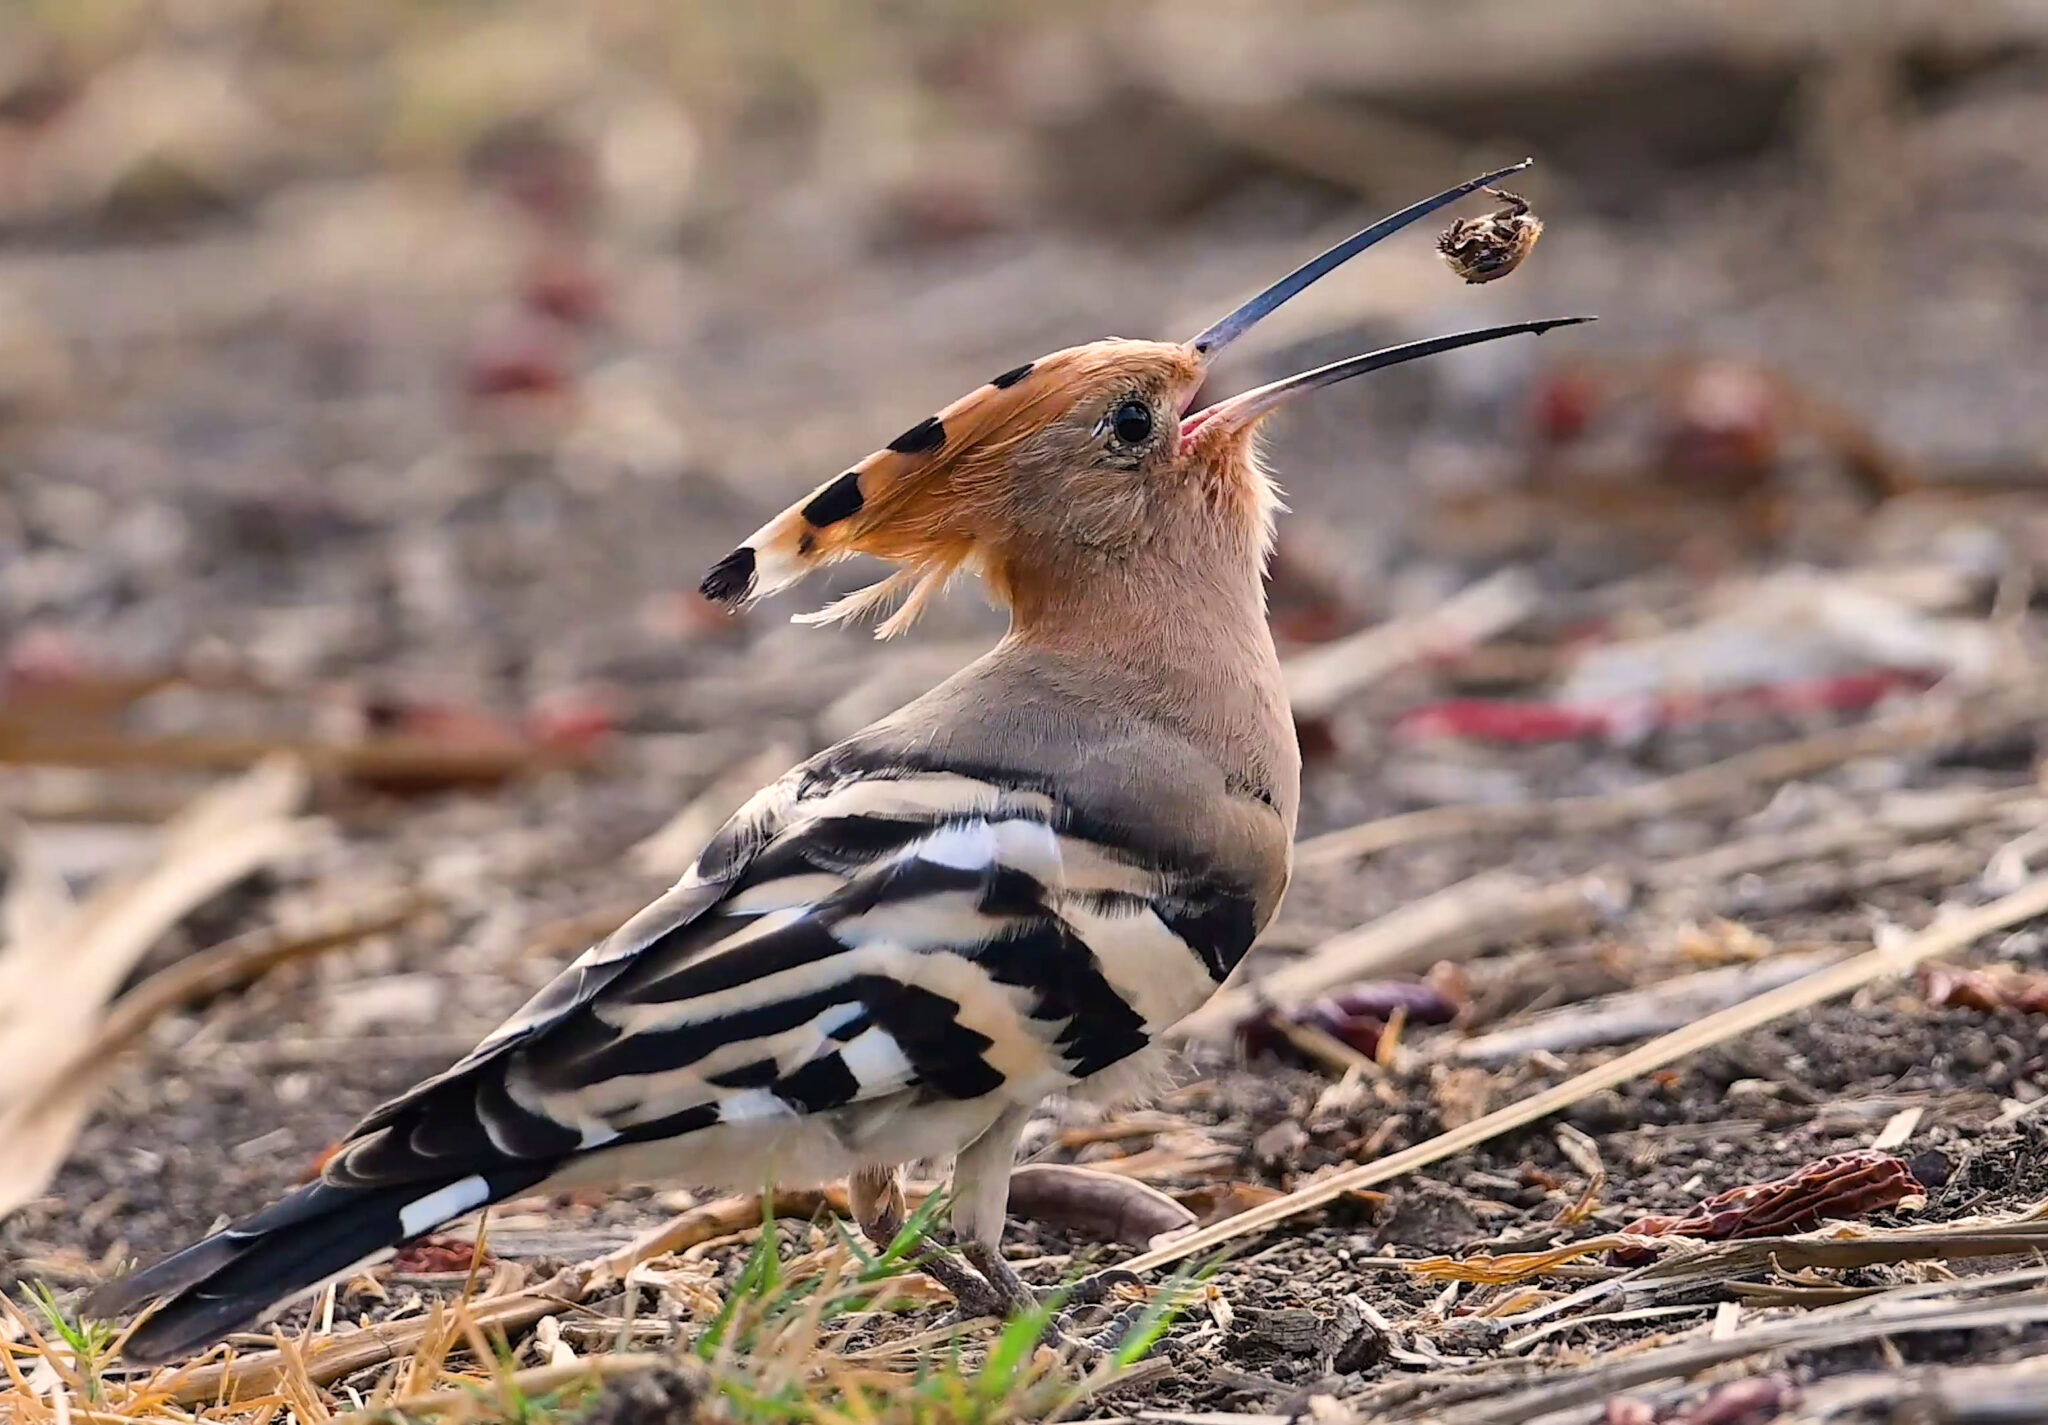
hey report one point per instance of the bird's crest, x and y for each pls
(928, 499)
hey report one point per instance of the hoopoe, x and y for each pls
(1008, 889)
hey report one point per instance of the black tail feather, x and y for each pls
(233, 1278)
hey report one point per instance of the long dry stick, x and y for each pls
(1943, 938)
(1688, 1358)
(1636, 1014)
(224, 967)
(1931, 723)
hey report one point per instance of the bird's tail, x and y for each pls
(323, 1231)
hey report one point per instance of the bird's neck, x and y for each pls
(1177, 637)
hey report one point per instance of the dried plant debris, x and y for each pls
(1356, 1016)
(440, 1255)
(1742, 1402)
(1489, 248)
(1842, 1186)
(1991, 988)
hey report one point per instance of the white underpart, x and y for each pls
(444, 1205)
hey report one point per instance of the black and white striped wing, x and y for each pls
(852, 946)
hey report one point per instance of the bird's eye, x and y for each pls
(1132, 423)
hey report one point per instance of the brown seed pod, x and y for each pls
(1483, 249)
(1845, 1185)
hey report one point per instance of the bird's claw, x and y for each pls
(993, 1288)
(1094, 1289)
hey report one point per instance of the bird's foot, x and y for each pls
(993, 1288)
(974, 1297)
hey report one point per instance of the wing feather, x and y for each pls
(854, 935)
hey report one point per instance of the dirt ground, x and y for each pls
(439, 445)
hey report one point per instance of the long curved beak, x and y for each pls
(1242, 410)
(1223, 333)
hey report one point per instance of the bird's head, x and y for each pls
(1085, 454)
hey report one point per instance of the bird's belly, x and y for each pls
(793, 1152)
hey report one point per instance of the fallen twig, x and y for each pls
(1954, 1395)
(400, 763)
(1820, 1330)
(41, 1128)
(1942, 938)
(1893, 819)
(1634, 1014)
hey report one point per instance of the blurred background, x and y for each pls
(453, 339)
(377, 380)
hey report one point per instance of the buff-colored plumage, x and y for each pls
(958, 493)
(1012, 887)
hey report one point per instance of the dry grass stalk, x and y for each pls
(1930, 724)
(65, 961)
(1943, 938)
(1633, 1014)
(536, 1380)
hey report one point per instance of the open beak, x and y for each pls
(1242, 410)
(1223, 333)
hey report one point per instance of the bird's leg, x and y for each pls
(876, 1196)
(981, 1198)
